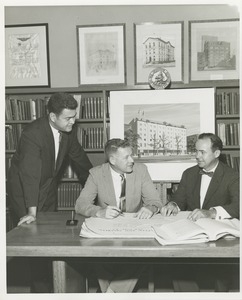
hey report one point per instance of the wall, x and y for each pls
(63, 20)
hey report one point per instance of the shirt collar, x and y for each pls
(114, 173)
(54, 130)
(213, 169)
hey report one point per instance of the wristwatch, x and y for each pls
(159, 78)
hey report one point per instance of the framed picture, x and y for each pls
(101, 54)
(27, 56)
(162, 126)
(158, 45)
(214, 50)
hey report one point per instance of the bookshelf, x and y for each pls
(227, 109)
(23, 106)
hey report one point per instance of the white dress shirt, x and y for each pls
(117, 185)
(56, 135)
(221, 213)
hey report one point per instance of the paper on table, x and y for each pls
(125, 226)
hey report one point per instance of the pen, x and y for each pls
(115, 208)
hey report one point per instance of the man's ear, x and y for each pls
(217, 153)
(52, 117)
(112, 160)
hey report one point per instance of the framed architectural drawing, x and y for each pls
(162, 126)
(27, 55)
(158, 45)
(214, 50)
(101, 54)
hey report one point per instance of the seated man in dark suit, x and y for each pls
(102, 196)
(210, 189)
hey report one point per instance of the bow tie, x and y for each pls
(202, 172)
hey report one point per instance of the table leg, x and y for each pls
(59, 276)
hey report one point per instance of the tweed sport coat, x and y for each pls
(223, 190)
(98, 191)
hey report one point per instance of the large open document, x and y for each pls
(166, 230)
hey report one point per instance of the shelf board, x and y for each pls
(236, 116)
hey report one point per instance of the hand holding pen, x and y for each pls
(109, 212)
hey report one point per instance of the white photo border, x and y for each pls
(228, 30)
(163, 30)
(117, 75)
(204, 97)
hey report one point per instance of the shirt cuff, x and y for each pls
(221, 213)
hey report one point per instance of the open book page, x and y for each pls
(185, 231)
(217, 229)
(126, 226)
(179, 232)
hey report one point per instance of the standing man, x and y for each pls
(41, 152)
(210, 189)
(104, 196)
(36, 166)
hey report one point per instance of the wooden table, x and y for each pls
(50, 237)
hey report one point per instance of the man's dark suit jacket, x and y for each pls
(223, 190)
(33, 176)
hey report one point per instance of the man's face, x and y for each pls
(205, 156)
(65, 120)
(122, 161)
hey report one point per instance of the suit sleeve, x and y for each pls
(232, 206)
(150, 195)
(30, 168)
(79, 158)
(180, 196)
(85, 203)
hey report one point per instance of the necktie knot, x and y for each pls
(202, 172)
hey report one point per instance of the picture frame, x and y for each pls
(162, 126)
(167, 40)
(101, 54)
(27, 56)
(214, 50)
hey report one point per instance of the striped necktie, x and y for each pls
(122, 203)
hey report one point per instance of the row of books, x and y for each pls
(89, 107)
(227, 103)
(91, 137)
(233, 161)
(68, 192)
(229, 133)
(12, 135)
(22, 109)
(30, 109)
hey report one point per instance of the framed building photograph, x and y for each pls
(214, 50)
(162, 126)
(27, 56)
(101, 54)
(158, 45)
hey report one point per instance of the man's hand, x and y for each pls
(202, 213)
(144, 213)
(169, 209)
(27, 219)
(30, 217)
(109, 212)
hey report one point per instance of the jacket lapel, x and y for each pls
(214, 184)
(108, 185)
(62, 151)
(50, 142)
(196, 190)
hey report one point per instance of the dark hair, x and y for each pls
(217, 144)
(113, 145)
(60, 101)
